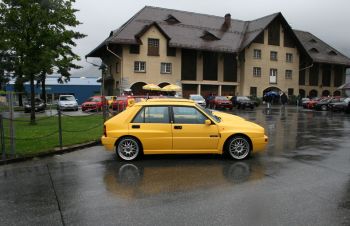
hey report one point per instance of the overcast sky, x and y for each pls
(329, 20)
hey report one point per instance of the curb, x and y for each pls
(52, 152)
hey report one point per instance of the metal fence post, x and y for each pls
(60, 128)
(12, 126)
(2, 138)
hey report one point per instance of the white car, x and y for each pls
(198, 99)
(67, 102)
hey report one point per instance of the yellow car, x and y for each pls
(179, 126)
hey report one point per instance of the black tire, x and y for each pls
(238, 147)
(252, 107)
(128, 148)
(324, 108)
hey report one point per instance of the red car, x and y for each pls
(94, 103)
(220, 102)
(311, 103)
(122, 102)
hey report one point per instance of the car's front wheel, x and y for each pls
(128, 148)
(238, 147)
(324, 108)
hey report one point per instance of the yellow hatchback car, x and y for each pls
(179, 126)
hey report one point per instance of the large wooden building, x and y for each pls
(211, 54)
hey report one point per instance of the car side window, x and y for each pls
(188, 115)
(154, 114)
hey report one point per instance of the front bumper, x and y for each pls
(72, 107)
(259, 144)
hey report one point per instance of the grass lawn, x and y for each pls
(34, 139)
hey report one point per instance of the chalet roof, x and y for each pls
(319, 51)
(204, 32)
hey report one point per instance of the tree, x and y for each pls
(39, 36)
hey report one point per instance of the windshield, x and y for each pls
(67, 98)
(94, 99)
(243, 98)
(196, 98)
(221, 98)
(122, 98)
(210, 113)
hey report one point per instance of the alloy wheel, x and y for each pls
(128, 149)
(239, 148)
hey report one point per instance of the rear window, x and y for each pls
(156, 114)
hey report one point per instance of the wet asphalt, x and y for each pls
(303, 178)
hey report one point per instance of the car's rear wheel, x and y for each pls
(238, 147)
(324, 108)
(128, 148)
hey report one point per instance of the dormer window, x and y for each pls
(332, 52)
(313, 50)
(172, 20)
(313, 41)
(209, 36)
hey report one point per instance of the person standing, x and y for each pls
(284, 98)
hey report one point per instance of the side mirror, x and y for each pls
(207, 122)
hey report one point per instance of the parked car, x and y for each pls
(245, 102)
(198, 99)
(39, 105)
(169, 126)
(310, 104)
(220, 102)
(121, 103)
(347, 109)
(323, 105)
(94, 103)
(67, 102)
(339, 106)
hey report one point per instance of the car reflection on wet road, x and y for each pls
(302, 179)
(147, 178)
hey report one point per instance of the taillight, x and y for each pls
(104, 131)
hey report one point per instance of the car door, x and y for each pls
(190, 133)
(152, 127)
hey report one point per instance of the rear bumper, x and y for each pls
(108, 142)
(260, 144)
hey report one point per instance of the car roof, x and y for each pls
(167, 101)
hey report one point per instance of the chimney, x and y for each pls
(227, 22)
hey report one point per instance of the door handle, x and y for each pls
(177, 127)
(135, 126)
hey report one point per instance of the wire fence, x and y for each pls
(19, 138)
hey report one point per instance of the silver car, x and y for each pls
(67, 102)
(198, 99)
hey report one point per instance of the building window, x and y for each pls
(134, 49)
(273, 55)
(289, 57)
(171, 51)
(253, 91)
(153, 47)
(257, 54)
(165, 68)
(302, 77)
(140, 66)
(257, 71)
(273, 76)
(289, 74)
